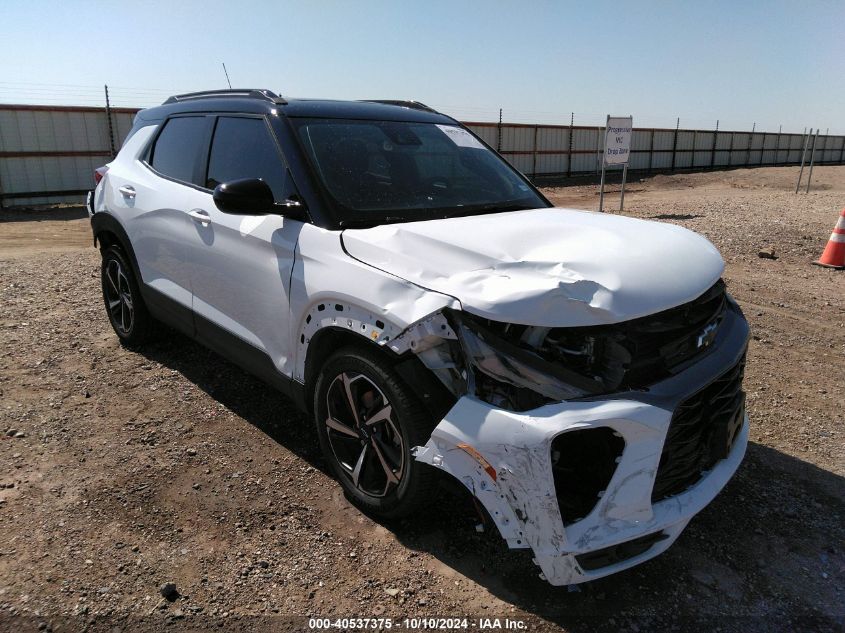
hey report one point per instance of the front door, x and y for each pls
(240, 265)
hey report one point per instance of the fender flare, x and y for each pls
(106, 223)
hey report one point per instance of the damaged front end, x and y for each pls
(594, 446)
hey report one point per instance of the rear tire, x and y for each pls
(369, 447)
(125, 307)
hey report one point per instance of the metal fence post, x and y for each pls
(692, 160)
(499, 135)
(713, 148)
(824, 150)
(777, 146)
(534, 161)
(842, 151)
(651, 150)
(675, 143)
(731, 150)
(1, 195)
(108, 117)
(750, 141)
(763, 148)
(571, 133)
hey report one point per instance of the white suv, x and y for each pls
(579, 373)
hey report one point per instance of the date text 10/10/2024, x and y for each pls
(412, 624)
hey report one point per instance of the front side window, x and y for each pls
(243, 148)
(379, 172)
(179, 148)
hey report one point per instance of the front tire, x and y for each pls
(368, 420)
(125, 307)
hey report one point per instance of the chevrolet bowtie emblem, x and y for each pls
(707, 336)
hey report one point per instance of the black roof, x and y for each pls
(260, 101)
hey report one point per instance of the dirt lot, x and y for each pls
(135, 469)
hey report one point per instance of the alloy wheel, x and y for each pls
(363, 434)
(119, 297)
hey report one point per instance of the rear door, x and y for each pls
(240, 265)
(149, 198)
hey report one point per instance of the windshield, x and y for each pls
(378, 172)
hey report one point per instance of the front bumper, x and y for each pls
(504, 459)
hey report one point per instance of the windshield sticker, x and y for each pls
(460, 136)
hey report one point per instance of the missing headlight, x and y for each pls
(521, 365)
(510, 376)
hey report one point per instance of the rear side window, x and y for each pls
(243, 148)
(179, 148)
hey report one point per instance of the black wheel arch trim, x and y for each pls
(432, 393)
(106, 223)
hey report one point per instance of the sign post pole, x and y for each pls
(603, 163)
(617, 151)
(624, 178)
(601, 190)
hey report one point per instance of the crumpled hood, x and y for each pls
(549, 267)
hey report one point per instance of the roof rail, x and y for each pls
(249, 93)
(416, 105)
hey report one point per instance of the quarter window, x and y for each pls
(243, 148)
(179, 148)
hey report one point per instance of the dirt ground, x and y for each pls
(127, 470)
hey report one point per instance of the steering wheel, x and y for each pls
(433, 186)
(438, 183)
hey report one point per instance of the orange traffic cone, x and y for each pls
(834, 252)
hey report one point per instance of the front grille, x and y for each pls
(662, 343)
(618, 553)
(702, 431)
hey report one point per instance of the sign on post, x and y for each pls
(617, 140)
(617, 151)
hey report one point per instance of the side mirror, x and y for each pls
(244, 197)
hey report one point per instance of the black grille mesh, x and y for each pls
(701, 433)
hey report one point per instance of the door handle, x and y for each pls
(127, 191)
(198, 215)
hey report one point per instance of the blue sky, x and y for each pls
(740, 62)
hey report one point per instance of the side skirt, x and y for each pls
(221, 341)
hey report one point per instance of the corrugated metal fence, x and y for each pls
(48, 153)
(554, 151)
